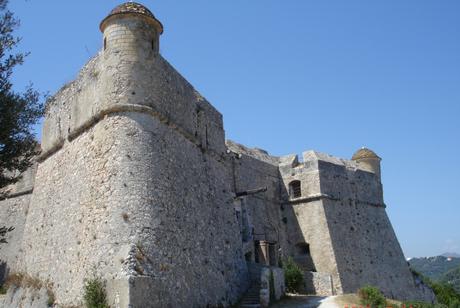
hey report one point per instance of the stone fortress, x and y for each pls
(136, 184)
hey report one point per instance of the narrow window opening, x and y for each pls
(303, 257)
(105, 43)
(153, 45)
(295, 189)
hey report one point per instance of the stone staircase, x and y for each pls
(252, 297)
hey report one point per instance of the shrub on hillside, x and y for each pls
(371, 296)
(293, 276)
(445, 294)
(95, 296)
(415, 304)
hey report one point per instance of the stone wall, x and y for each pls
(13, 213)
(139, 199)
(307, 223)
(134, 185)
(366, 248)
(14, 207)
(260, 213)
(318, 283)
(341, 215)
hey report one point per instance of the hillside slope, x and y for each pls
(434, 267)
(452, 278)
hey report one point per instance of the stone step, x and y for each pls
(252, 297)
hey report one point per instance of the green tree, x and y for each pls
(293, 276)
(18, 111)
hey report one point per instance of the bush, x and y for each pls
(371, 296)
(445, 294)
(95, 296)
(293, 276)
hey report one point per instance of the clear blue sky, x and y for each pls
(289, 76)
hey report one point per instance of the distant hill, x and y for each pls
(434, 267)
(451, 254)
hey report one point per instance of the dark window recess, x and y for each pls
(105, 43)
(256, 252)
(295, 189)
(153, 44)
(248, 257)
(302, 249)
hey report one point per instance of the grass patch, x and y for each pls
(21, 280)
(95, 295)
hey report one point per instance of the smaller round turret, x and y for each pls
(367, 160)
(131, 29)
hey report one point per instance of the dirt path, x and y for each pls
(305, 301)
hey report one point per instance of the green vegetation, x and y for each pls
(2, 290)
(18, 111)
(95, 295)
(445, 294)
(415, 304)
(446, 297)
(293, 276)
(452, 278)
(371, 296)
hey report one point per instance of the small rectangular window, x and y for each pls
(295, 189)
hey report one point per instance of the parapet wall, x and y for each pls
(107, 85)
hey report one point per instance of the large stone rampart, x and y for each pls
(133, 185)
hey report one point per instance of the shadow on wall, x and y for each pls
(3, 272)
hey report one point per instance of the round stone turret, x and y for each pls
(367, 160)
(131, 30)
